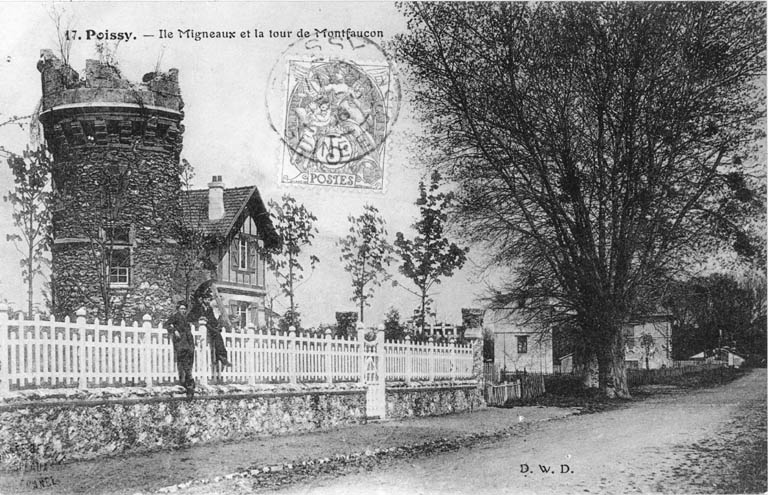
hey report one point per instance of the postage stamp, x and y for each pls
(339, 101)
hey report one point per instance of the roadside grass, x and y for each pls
(590, 401)
(736, 457)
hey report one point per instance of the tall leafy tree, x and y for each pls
(429, 256)
(30, 199)
(295, 225)
(595, 146)
(365, 253)
(713, 311)
(393, 327)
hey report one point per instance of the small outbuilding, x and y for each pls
(520, 342)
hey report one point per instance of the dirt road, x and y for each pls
(706, 441)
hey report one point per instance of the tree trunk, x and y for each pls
(30, 289)
(613, 376)
(423, 311)
(591, 372)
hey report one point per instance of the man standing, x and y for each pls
(202, 309)
(183, 346)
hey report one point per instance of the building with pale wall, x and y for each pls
(519, 343)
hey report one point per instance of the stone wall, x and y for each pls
(44, 427)
(431, 400)
(44, 432)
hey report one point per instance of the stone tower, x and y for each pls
(116, 183)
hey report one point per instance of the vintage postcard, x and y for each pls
(382, 247)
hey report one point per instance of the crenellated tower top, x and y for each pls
(104, 108)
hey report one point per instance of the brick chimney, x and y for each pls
(215, 198)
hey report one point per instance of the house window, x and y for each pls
(522, 344)
(238, 313)
(120, 266)
(243, 253)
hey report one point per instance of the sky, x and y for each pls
(223, 83)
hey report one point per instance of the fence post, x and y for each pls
(452, 343)
(431, 358)
(381, 354)
(292, 354)
(361, 351)
(250, 357)
(80, 321)
(408, 360)
(327, 348)
(202, 328)
(5, 374)
(146, 351)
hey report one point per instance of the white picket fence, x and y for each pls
(48, 353)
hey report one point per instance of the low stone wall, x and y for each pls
(55, 430)
(44, 427)
(429, 399)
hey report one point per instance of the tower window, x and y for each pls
(89, 130)
(120, 267)
(117, 241)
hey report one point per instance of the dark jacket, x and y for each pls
(206, 312)
(178, 323)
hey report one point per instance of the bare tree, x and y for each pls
(593, 144)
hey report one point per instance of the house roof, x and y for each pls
(238, 203)
(511, 320)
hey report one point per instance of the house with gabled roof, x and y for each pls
(234, 229)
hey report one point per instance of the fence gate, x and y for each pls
(375, 396)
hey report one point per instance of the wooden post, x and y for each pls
(408, 360)
(328, 346)
(250, 357)
(5, 374)
(382, 357)
(204, 364)
(292, 354)
(431, 358)
(452, 343)
(146, 350)
(81, 351)
(361, 349)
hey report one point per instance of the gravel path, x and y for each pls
(133, 473)
(709, 440)
(705, 441)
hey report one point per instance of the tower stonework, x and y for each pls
(116, 211)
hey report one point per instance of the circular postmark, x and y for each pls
(332, 102)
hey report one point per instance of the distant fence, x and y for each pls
(522, 388)
(49, 353)
(650, 377)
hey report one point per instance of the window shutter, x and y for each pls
(252, 255)
(130, 266)
(234, 253)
